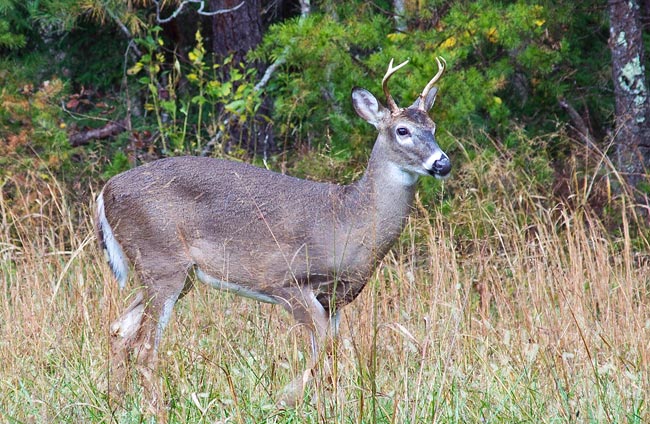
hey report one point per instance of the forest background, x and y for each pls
(519, 291)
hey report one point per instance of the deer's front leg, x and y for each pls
(307, 310)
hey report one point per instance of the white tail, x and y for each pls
(309, 247)
(114, 254)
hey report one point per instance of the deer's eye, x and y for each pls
(401, 131)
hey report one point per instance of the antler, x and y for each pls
(441, 69)
(384, 83)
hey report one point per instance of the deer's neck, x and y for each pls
(383, 199)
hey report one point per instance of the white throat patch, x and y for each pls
(402, 176)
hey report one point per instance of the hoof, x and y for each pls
(293, 393)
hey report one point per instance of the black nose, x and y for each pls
(441, 167)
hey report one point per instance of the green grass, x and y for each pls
(499, 304)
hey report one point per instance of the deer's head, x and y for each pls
(406, 135)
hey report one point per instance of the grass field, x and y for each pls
(503, 304)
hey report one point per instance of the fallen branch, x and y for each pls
(271, 69)
(578, 123)
(109, 130)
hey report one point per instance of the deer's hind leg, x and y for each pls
(122, 333)
(136, 334)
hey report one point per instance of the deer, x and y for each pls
(307, 246)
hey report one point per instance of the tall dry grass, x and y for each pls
(504, 304)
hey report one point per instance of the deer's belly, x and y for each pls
(234, 288)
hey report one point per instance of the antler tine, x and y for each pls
(384, 83)
(441, 69)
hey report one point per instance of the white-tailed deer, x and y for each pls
(308, 246)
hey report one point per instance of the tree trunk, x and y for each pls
(399, 9)
(236, 33)
(645, 15)
(632, 130)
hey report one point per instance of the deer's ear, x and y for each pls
(428, 102)
(367, 106)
